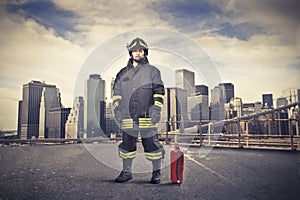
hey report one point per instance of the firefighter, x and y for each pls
(137, 101)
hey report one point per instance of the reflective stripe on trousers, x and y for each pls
(154, 155)
(152, 148)
(127, 155)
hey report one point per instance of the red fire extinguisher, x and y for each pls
(177, 162)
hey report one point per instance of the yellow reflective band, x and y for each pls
(158, 96)
(146, 123)
(116, 104)
(153, 153)
(127, 126)
(142, 44)
(133, 45)
(159, 104)
(148, 126)
(144, 119)
(127, 155)
(127, 123)
(116, 97)
(127, 120)
(154, 156)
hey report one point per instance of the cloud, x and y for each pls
(45, 13)
(256, 66)
(242, 31)
(234, 18)
(274, 17)
(29, 51)
(101, 20)
(192, 16)
(253, 43)
(36, 47)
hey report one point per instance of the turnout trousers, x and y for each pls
(152, 148)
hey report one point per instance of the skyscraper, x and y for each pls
(19, 119)
(74, 124)
(281, 124)
(236, 105)
(220, 95)
(110, 124)
(267, 101)
(185, 79)
(175, 108)
(227, 91)
(201, 90)
(50, 99)
(94, 106)
(281, 102)
(217, 111)
(250, 108)
(111, 87)
(56, 122)
(198, 104)
(30, 111)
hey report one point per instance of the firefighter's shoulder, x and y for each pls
(121, 72)
(152, 68)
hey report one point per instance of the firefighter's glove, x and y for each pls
(154, 112)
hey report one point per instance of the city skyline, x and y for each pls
(253, 45)
(223, 87)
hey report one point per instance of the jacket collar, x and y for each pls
(130, 61)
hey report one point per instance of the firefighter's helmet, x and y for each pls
(137, 43)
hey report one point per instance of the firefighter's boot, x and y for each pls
(156, 172)
(126, 173)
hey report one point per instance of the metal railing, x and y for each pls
(205, 134)
(240, 138)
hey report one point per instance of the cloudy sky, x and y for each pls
(253, 44)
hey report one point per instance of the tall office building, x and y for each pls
(112, 87)
(281, 102)
(50, 99)
(111, 125)
(267, 101)
(220, 95)
(281, 124)
(227, 91)
(251, 108)
(74, 124)
(56, 122)
(185, 79)
(198, 104)
(201, 90)
(30, 108)
(94, 106)
(19, 119)
(217, 110)
(236, 108)
(174, 109)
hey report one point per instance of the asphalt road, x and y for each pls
(74, 172)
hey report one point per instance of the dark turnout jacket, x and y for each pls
(137, 90)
